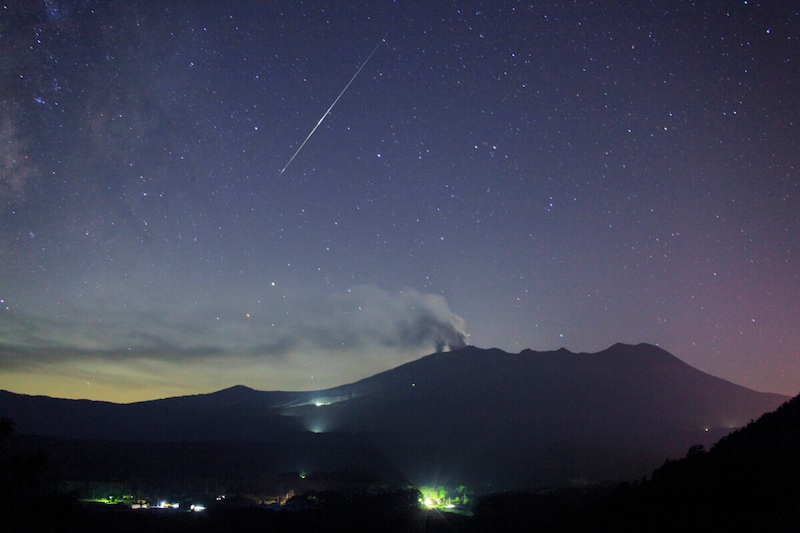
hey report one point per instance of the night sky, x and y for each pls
(502, 174)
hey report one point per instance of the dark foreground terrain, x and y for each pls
(748, 481)
(379, 513)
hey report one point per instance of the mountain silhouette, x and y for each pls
(480, 416)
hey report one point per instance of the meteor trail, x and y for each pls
(383, 40)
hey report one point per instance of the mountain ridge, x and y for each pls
(483, 414)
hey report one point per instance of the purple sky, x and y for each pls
(504, 174)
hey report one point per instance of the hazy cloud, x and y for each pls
(356, 321)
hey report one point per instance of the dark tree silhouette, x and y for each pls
(748, 481)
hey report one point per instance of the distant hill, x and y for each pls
(484, 417)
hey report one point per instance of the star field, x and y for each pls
(512, 175)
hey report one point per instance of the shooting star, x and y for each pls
(383, 40)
